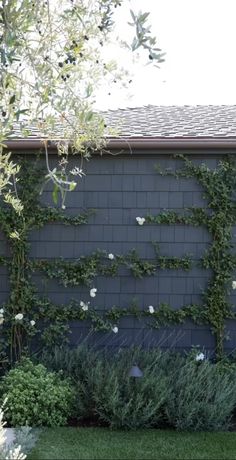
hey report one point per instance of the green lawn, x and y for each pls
(101, 443)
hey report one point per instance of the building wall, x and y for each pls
(120, 188)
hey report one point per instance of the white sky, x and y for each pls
(199, 38)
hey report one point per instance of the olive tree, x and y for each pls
(51, 63)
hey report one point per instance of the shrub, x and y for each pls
(125, 402)
(72, 362)
(105, 392)
(175, 390)
(35, 396)
(202, 397)
(80, 366)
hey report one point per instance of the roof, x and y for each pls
(174, 121)
(160, 127)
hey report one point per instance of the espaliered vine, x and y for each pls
(27, 315)
(218, 217)
(23, 299)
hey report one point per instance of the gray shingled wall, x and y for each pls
(121, 188)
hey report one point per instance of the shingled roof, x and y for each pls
(161, 126)
(174, 121)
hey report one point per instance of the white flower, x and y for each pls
(115, 329)
(1, 320)
(84, 306)
(111, 256)
(234, 284)
(19, 316)
(77, 171)
(15, 235)
(63, 206)
(140, 220)
(93, 292)
(1, 311)
(32, 322)
(200, 357)
(151, 309)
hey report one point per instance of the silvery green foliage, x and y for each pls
(26, 437)
(202, 397)
(106, 393)
(8, 452)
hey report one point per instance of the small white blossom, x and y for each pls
(140, 220)
(63, 162)
(93, 292)
(151, 309)
(115, 329)
(234, 284)
(1, 320)
(15, 235)
(111, 256)
(200, 357)
(19, 316)
(84, 306)
(77, 171)
(32, 322)
(63, 206)
(1, 311)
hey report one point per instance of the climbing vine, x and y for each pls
(28, 318)
(218, 217)
(27, 315)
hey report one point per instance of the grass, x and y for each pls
(101, 443)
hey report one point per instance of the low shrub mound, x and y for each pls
(188, 393)
(202, 398)
(185, 392)
(35, 396)
(128, 402)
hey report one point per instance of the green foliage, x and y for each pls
(106, 393)
(175, 390)
(36, 397)
(202, 397)
(193, 216)
(49, 77)
(123, 402)
(82, 271)
(218, 217)
(53, 319)
(143, 37)
(80, 365)
(141, 268)
(166, 315)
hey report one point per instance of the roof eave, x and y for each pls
(155, 143)
(146, 143)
